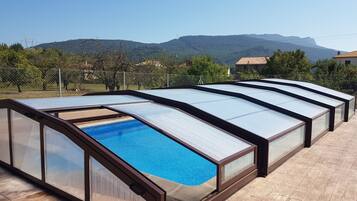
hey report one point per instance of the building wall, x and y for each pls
(342, 60)
(249, 67)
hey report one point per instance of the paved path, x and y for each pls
(14, 188)
(327, 171)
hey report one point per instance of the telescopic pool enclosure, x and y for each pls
(190, 143)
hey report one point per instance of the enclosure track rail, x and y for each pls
(346, 101)
(136, 181)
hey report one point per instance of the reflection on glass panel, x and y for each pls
(285, 144)
(351, 108)
(314, 86)
(105, 186)
(78, 101)
(26, 144)
(301, 92)
(4, 137)
(175, 168)
(207, 139)
(339, 114)
(237, 166)
(320, 125)
(64, 163)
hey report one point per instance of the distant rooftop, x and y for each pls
(347, 55)
(252, 61)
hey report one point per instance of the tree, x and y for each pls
(17, 47)
(169, 62)
(72, 67)
(3, 47)
(349, 83)
(328, 73)
(335, 75)
(289, 65)
(205, 66)
(19, 71)
(107, 67)
(45, 60)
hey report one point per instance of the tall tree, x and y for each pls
(209, 70)
(45, 60)
(334, 75)
(18, 71)
(108, 66)
(290, 65)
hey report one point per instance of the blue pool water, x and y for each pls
(151, 152)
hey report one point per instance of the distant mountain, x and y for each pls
(225, 49)
(308, 42)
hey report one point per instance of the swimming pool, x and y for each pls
(153, 153)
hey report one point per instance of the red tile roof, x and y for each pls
(348, 55)
(252, 61)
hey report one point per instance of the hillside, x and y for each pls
(225, 49)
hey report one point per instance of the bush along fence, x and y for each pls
(62, 82)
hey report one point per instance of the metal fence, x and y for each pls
(27, 82)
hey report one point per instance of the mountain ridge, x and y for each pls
(224, 48)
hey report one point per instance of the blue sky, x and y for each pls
(331, 22)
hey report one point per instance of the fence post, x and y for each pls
(167, 80)
(200, 81)
(60, 82)
(124, 83)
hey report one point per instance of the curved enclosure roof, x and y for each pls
(298, 91)
(78, 101)
(287, 102)
(207, 139)
(200, 135)
(237, 111)
(315, 87)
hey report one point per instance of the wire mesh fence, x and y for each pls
(26, 82)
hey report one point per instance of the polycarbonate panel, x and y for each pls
(78, 101)
(315, 87)
(200, 135)
(266, 123)
(301, 92)
(231, 108)
(235, 88)
(339, 114)
(237, 166)
(4, 137)
(26, 144)
(287, 102)
(105, 186)
(320, 125)
(351, 108)
(64, 163)
(186, 95)
(235, 110)
(286, 144)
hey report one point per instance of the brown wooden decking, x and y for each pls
(327, 171)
